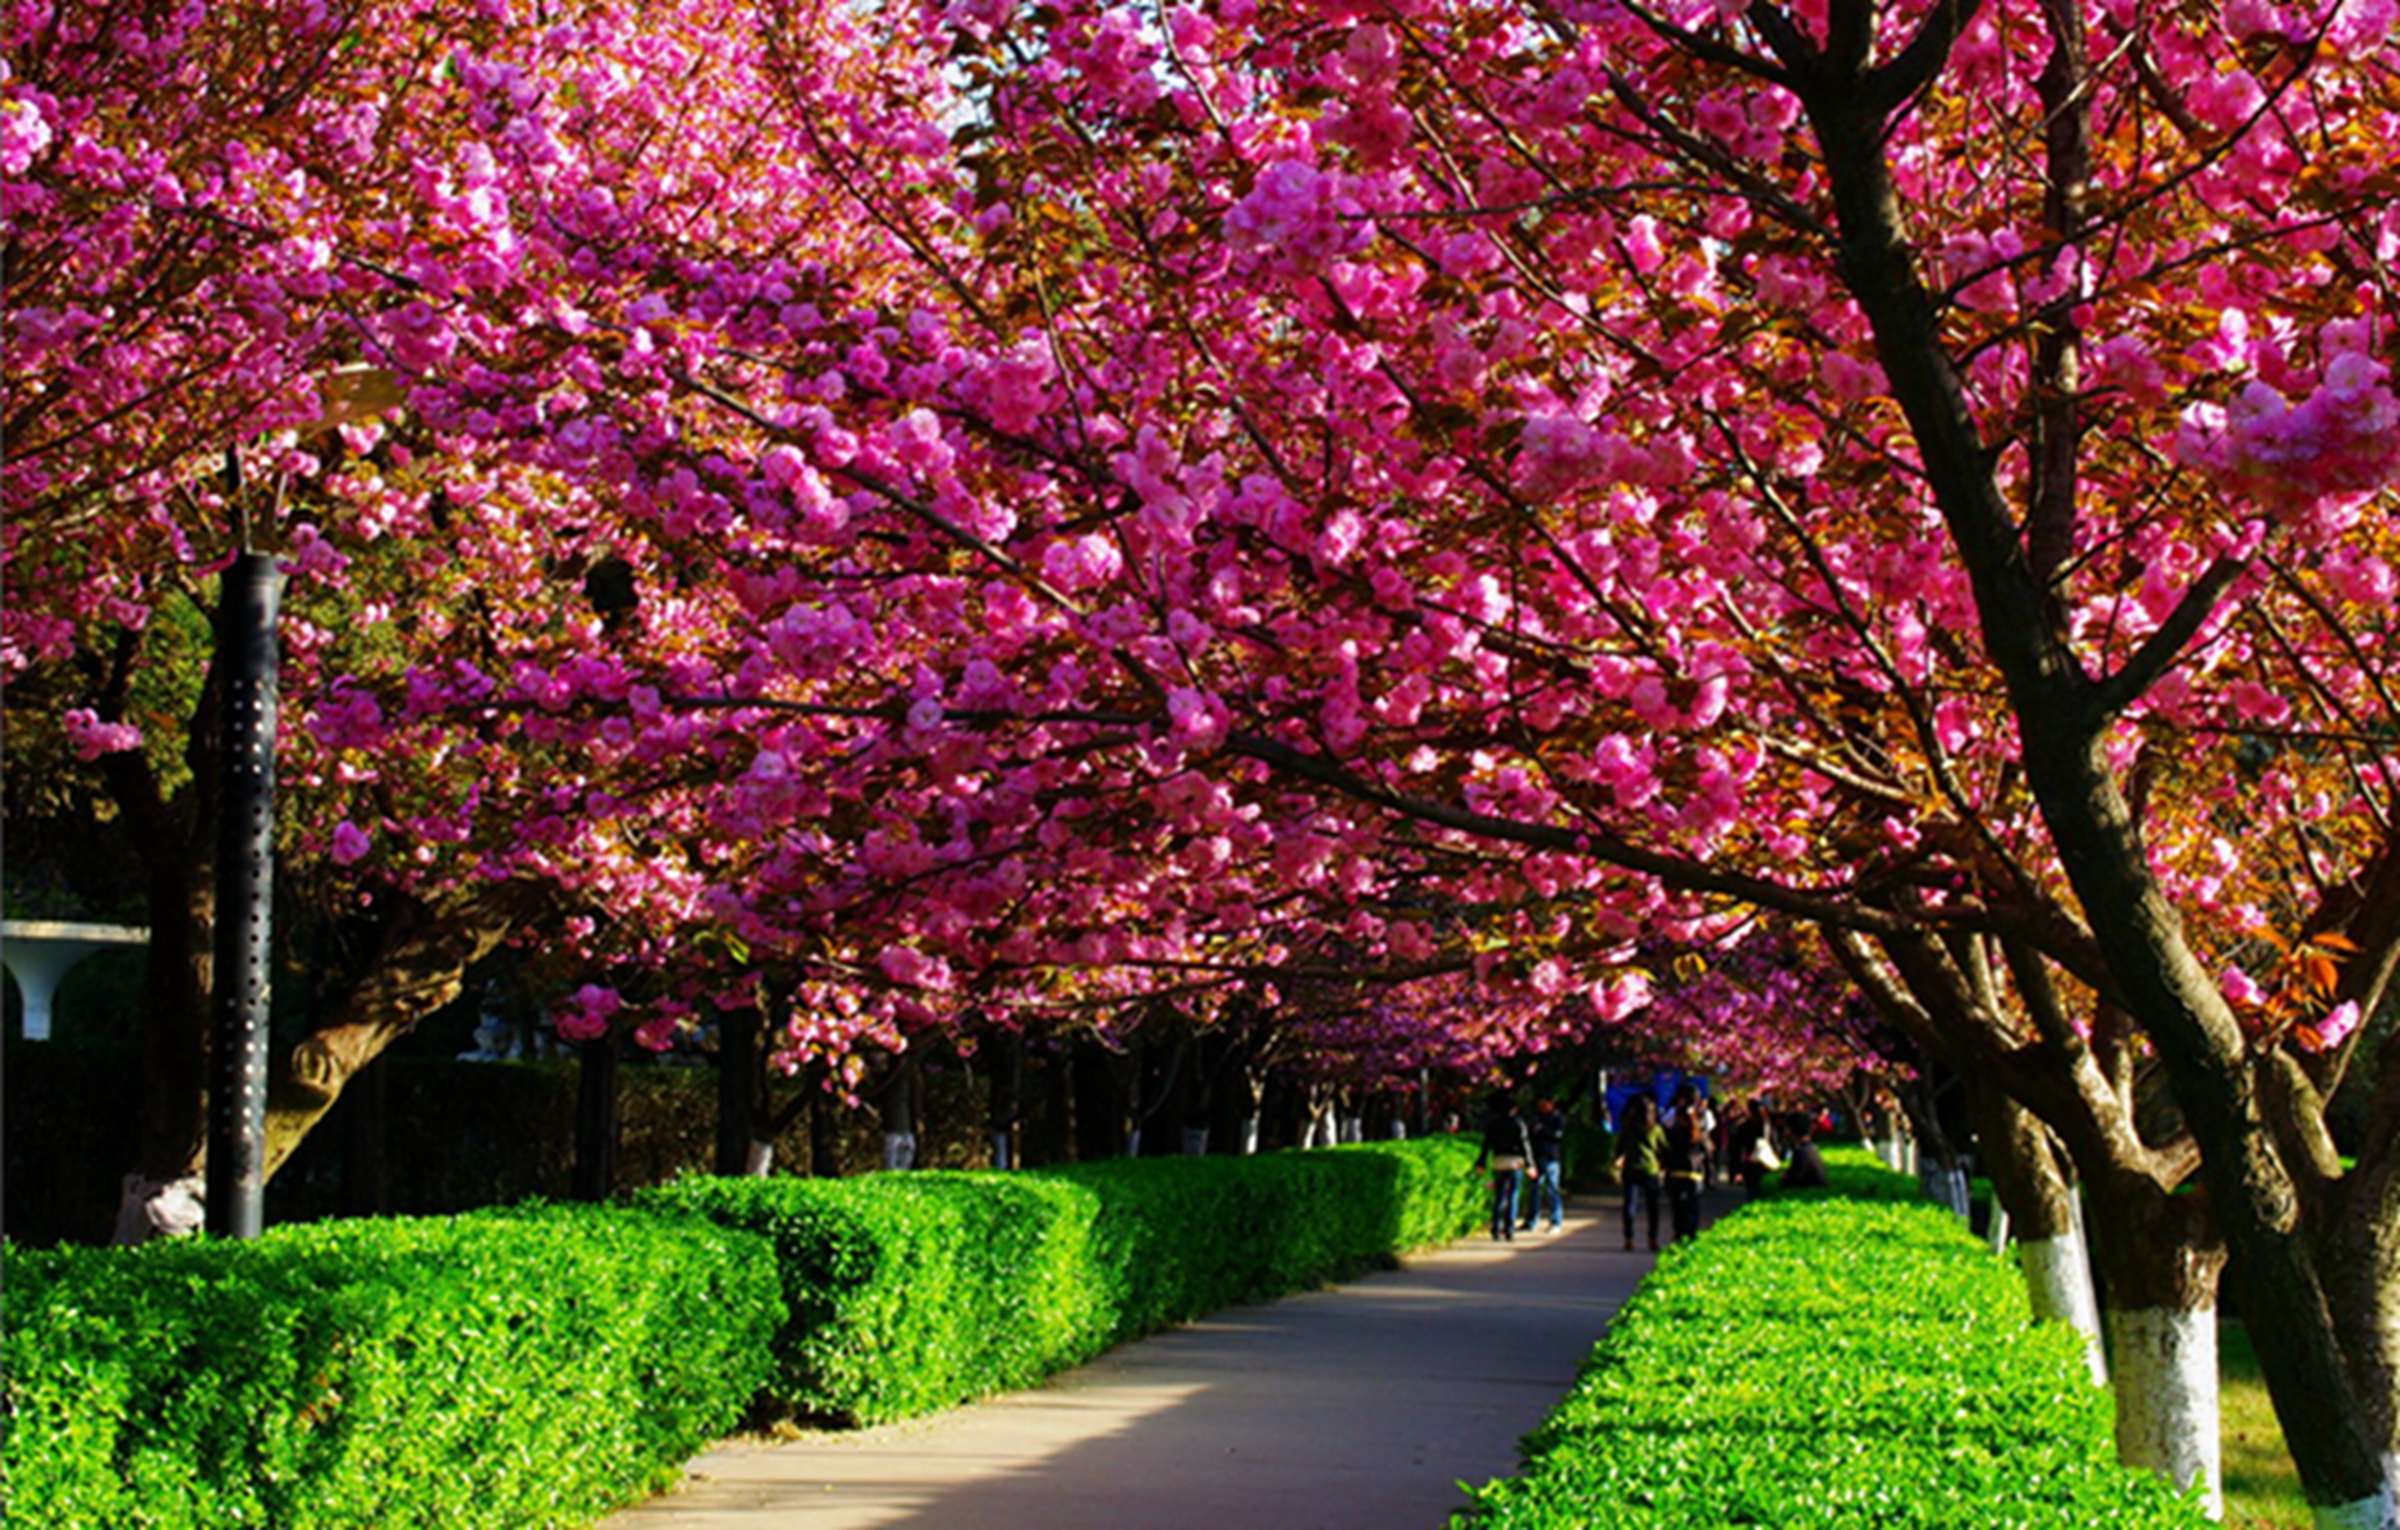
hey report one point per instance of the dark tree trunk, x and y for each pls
(417, 964)
(176, 841)
(2030, 1183)
(596, 1062)
(896, 1106)
(2360, 1255)
(2159, 1261)
(366, 1181)
(1066, 1119)
(1007, 1053)
(1099, 1102)
(2063, 715)
(824, 1132)
(737, 1088)
(176, 986)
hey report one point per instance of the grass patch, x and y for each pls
(2262, 1487)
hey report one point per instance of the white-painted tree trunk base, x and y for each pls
(1998, 1230)
(1399, 1130)
(899, 1150)
(2058, 1284)
(1353, 1129)
(1001, 1157)
(1133, 1143)
(2166, 1366)
(759, 1161)
(2381, 1512)
(160, 1208)
(1195, 1141)
(1249, 1135)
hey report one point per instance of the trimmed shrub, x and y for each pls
(1819, 1360)
(505, 1370)
(539, 1366)
(907, 1292)
(910, 1293)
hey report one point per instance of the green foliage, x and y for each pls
(1587, 1156)
(506, 1370)
(538, 1366)
(1826, 1359)
(913, 1292)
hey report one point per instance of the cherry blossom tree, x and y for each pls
(1110, 494)
(1638, 460)
(236, 234)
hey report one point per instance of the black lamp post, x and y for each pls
(237, 1095)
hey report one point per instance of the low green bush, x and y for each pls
(909, 1293)
(541, 1365)
(1824, 1360)
(504, 1370)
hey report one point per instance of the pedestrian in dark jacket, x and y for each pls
(1547, 1132)
(1507, 1149)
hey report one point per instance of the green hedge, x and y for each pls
(504, 1370)
(910, 1293)
(1819, 1360)
(539, 1366)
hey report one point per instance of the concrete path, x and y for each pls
(1360, 1407)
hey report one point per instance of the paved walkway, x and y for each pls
(1360, 1407)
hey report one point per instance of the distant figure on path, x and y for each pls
(1640, 1147)
(1806, 1170)
(1547, 1132)
(1507, 1149)
(1704, 1114)
(1685, 1164)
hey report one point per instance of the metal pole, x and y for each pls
(237, 1096)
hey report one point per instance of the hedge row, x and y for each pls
(1819, 1360)
(914, 1293)
(539, 1366)
(502, 1370)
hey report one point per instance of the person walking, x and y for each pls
(1546, 1133)
(1507, 1149)
(1684, 1162)
(1640, 1147)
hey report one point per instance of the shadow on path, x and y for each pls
(1360, 1407)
